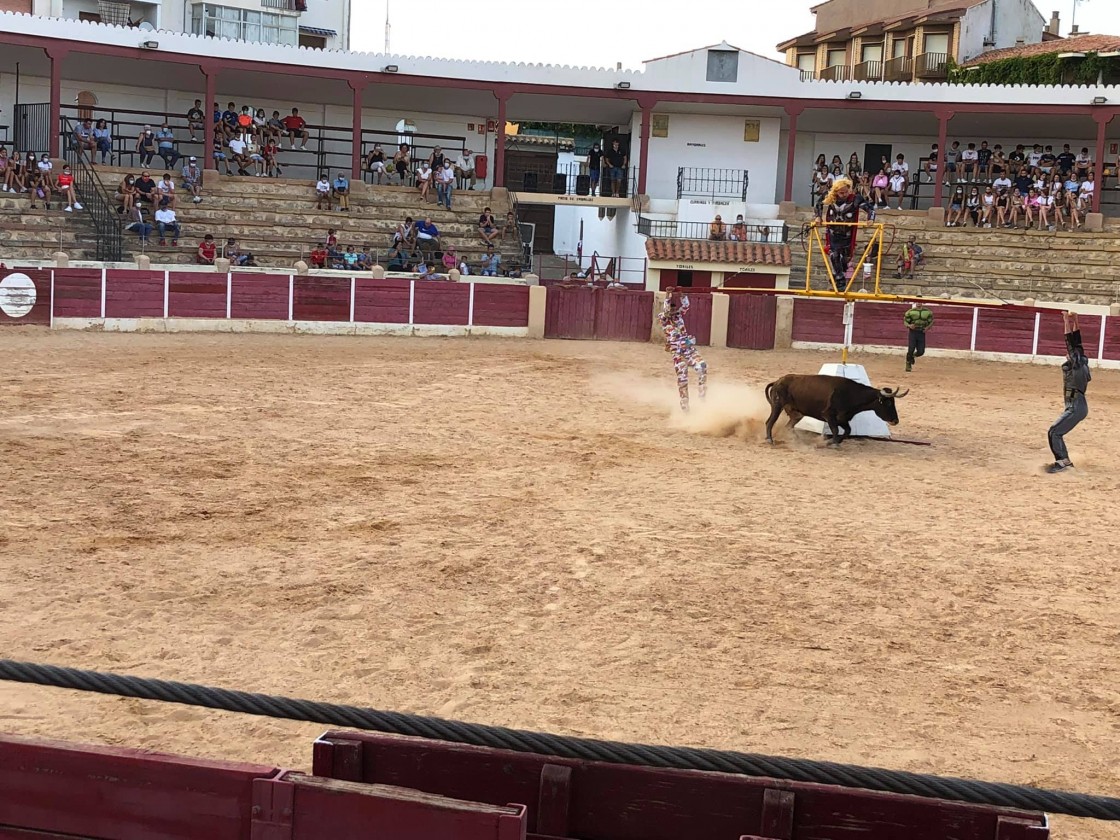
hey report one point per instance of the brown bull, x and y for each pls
(831, 399)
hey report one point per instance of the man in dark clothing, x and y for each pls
(1066, 160)
(594, 166)
(616, 162)
(918, 319)
(1075, 380)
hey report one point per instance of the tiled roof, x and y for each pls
(703, 250)
(1079, 43)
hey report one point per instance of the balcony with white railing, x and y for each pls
(285, 5)
(931, 66)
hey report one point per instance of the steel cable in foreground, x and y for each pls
(680, 758)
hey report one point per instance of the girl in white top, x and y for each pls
(988, 206)
(46, 169)
(1045, 210)
(1085, 194)
(166, 187)
(424, 179)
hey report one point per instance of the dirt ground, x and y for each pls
(523, 533)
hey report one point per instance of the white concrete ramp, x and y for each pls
(864, 424)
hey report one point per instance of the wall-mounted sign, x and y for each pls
(698, 145)
(1114, 148)
(660, 125)
(751, 129)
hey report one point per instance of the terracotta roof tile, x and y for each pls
(1079, 43)
(703, 250)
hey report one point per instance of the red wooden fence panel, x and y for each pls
(260, 296)
(321, 299)
(441, 303)
(952, 327)
(320, 808)
(569, 312)
(623, 316)
(570, 798)
(818, 320)
(196, 294)
(25, 297)
(381, 301)
(133, 294)
(752, 321)
(880, 324)
(500, 305)
(123, 794)
(698, 319)
(77, 293)
(1005, 331)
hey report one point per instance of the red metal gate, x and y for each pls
(751, 321)
(698, 319)
(604, 314)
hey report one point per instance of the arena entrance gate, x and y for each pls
(603, 314)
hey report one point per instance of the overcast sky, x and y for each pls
(600, 33)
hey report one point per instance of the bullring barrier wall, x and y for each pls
(158, 300)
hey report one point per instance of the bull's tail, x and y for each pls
(769, 390)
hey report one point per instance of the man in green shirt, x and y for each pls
(918, 319)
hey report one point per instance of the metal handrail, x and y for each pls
(705, 182)
(928, 65)
(767, 232)
(95, 200)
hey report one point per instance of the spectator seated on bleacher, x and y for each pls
(126, 193)
(207, 250)
(235, 255)
(165, 137)
(340, 189)
(323, 193)
(487, 227)
(450, 260)
(296, 126)
(464, 169)
(318, 256)
(365, 259)
(65, 184)
(103, 139)
(192, 179)
(375, 164)
(167, 222)
(84, 141)
(195, 121)
(397, 259)
(229, 122)
(165, 189)
(427, 234)
(491, 262)
(145, 189)
(402, 161)
(139, 224)
(424, 179)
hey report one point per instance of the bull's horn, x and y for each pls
(886, 392)
(899, 393)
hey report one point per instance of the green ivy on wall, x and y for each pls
(1035, 70)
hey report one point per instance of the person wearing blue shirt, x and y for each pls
(491, 262)
(166, 139)
(427, 234)
(341, 189)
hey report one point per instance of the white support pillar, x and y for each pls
(975, 323)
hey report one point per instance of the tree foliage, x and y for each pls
(1046, 69)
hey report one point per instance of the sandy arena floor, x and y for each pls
(518, 533)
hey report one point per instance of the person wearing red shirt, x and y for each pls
(319, 256)
(65, 183)
(296, 126)
(207, 250)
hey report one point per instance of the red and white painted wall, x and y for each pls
(138, 300)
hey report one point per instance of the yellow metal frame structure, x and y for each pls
(817, 245)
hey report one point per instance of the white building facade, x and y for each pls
(322, 24)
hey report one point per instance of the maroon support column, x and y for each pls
(211, 75)
(502, 94)
(56, 55)
(357, 86)
(791, 152)
(1103, 119)
(943, 118)
(643, 157)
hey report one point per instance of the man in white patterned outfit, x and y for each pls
(682, 345)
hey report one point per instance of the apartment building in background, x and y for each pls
(910, 40)
(321, 24)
